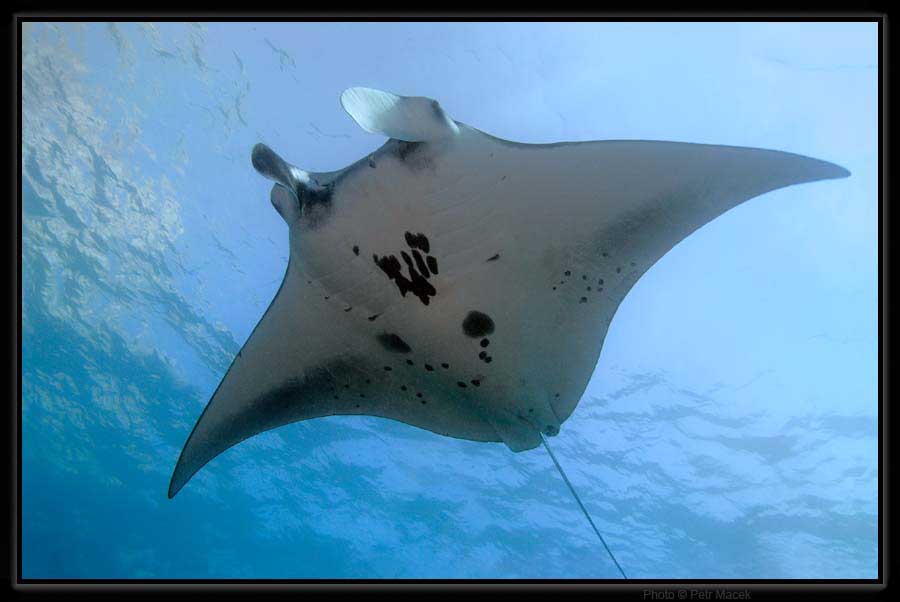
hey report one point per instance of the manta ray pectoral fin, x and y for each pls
(306, 359)
(407, 118)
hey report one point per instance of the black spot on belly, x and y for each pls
(417, 241)
(445, 365)
(477, 324)
(419, 269)
(394, 343)
(476, 382)
(460, 384)
(485, 342)
(567, 273)
(429, 368)
(482, 355)
(373, 318)
(356, 250)
(494, 257)
(583, 300)
(420, 264)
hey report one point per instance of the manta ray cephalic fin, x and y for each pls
(407, 118)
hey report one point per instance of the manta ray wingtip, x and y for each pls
(177, 481)
(841, 172)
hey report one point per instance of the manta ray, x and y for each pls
(462, 283)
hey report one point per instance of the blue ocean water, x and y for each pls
(729, 429)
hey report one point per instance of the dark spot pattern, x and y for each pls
(393, 343)
(356, 250)
(494, 257)
(485, 342)
(477, 324)
(373, 318)
(420, 263)
(417, 241)
(419, 268)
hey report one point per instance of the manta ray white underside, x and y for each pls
(462, 283)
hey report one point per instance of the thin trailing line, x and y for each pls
(583, 509)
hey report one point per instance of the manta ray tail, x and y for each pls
(583, 509)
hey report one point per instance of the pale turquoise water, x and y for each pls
(729, 430)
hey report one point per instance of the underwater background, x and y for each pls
(730, 426)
